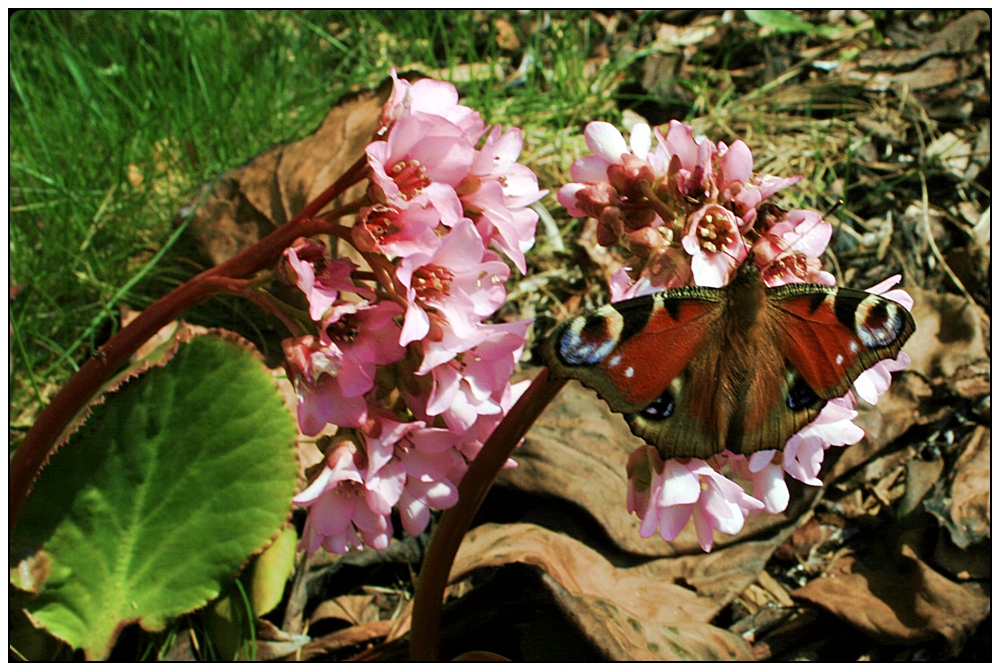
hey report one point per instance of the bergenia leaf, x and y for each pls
(161, 497)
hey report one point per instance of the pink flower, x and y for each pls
(428, 485)
(472, 441)
(680, 490)
(430, 98)
(470, 384)
(713, 240)
(417, 459)
(459, 284)
(790, 251)
(320, 278)
(497, 195)
(366, 336)
(394, 232)
(803, 453)
(338, 511)
(767, 478)
(313, 369)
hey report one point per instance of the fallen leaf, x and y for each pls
(345, 638)
(581, 570)
(352, 608)
(620, 636)
(949, 334)
(627, 613)
(903, 602)
(273, 643)
(952, 152)
(964, 505)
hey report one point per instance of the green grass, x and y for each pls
(117, 116)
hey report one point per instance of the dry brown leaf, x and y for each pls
(935, 72)
(249, 202)
(904, 603)
(620, 636)
(957, 37)
(627, 613)
(273, 643)
(353, 608)
(582, 571)
(964, 506)
(948, 334)
(309, 166)
(345, 638)
(258, 184)
(720, 575)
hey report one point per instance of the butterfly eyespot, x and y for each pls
(801, 395)
(878, 322)
(662, 408)
(588, 339)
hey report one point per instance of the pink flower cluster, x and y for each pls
(407, 370)
(690, 212)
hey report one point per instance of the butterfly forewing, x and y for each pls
(831, 335)
(629, 352)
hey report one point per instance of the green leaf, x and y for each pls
(787, 22)
(161, 497)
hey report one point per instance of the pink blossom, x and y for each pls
(803, 453)
(713, 240)
(790, 250)
(394, 232)
(610, 183)
(366, 336)
(320, 278)
(470, 384)
(680, 490)
(430, 98)
(313, 368)
(428, 485)
(766, 476)
(472, 441)
(418, 460)
(497, 195)
(458, 284)
(338, 512)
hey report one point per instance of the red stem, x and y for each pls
(425, 633)
(40, 440)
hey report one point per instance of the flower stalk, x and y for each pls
(455, 522)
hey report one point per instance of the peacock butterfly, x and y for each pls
(744, 367)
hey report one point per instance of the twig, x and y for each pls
(930, 239)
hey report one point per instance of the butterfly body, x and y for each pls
(744, 367)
